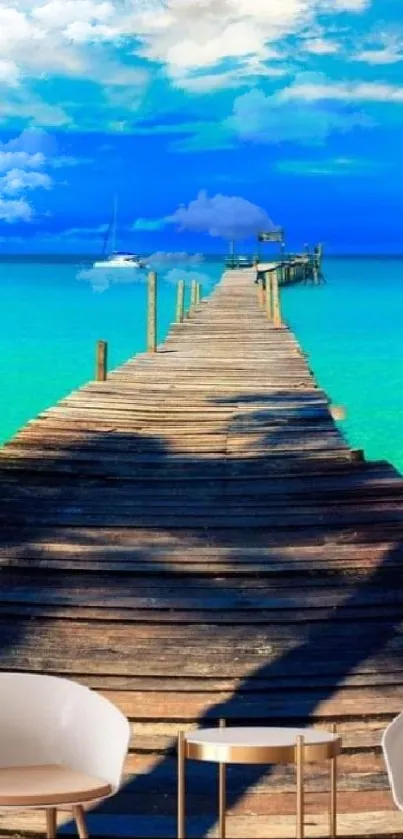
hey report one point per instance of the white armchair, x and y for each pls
(61, 744)
(392, 747)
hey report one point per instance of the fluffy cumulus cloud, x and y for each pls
(381, 48)
(16, 181)
(72, 41)
(185, 35)
(23, 164)
(295, 113)
(223, 216)
(105, 41)
(14, 210)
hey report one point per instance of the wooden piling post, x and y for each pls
(180, 301)
(260, 292)
(193, 294)
(198, 292)
(152, 313)
(193, 298)
(101, 366)
(357, 455)
(275, 298)
(269, 307)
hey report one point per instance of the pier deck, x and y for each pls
(195, 538)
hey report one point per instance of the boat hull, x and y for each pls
(111, 264)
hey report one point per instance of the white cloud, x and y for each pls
(279, 118)
(190, 38)
(59, 14)
(16, 181)
(199, 36)
(321, 46)
(70, 38)
(22, 163)
(185, 35)
(348, 5)
(241, 75)
(384, 47)
(224, 216)
(9, 73)
(386, 55)
(31, 108)
(20, 159)
(15, 210)
(324, 89)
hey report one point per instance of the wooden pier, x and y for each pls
(195, 538)
(291, 268)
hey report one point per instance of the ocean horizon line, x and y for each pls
(208, 256)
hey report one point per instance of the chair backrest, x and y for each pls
(392, 747)
(44, 719)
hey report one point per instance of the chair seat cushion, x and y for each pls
(52, 784)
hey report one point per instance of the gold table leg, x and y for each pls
(333, 795)
(300, 786)
(51, 822)
(221, 795)
(181, 785)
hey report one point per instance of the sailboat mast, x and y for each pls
(115, 216)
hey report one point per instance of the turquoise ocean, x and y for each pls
(351, 326)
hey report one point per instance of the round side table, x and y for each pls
(259, 745)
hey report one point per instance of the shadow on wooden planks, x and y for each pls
(260, 582)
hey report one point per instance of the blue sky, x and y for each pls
(208, 118)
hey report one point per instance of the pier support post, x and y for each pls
(101, 364)
(152, 313)
(261, 292)
(180, 301)
(269, 308)
(193, 294)
(275, 296)
(198, 292)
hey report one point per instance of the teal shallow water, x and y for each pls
(52, 316)
(352, 329)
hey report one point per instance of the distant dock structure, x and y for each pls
(290, 267)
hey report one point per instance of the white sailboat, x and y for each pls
(115, 258)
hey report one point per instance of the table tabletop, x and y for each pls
(260, 744)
